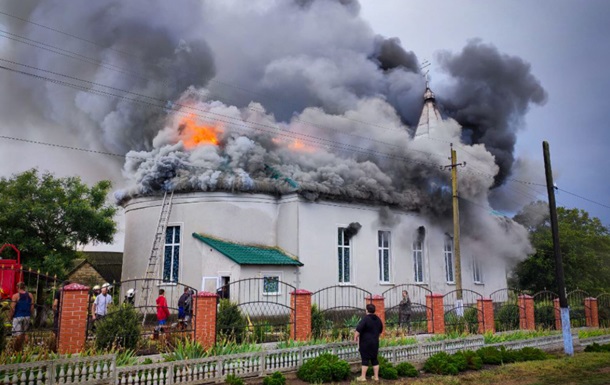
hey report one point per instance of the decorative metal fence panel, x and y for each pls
(141, 295)
(544, 309)
(256, 310)
(338, 309)
(405, 308)
(508, 313)
(462, 316)
(576, 303)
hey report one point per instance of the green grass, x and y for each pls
(593, 333)
(582, 369)
(517, 335)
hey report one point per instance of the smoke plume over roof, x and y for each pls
(304, 88)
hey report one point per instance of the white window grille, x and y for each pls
(383, 241)
(418, 261)
(344, 255)
(171, 256)
(449, 265)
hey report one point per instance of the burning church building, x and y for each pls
(252, 198)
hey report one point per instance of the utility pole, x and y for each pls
(456, 227)
(568, 347)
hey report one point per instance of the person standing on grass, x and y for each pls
(162, 310)
(367, 335)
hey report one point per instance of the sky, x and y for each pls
(564, 42)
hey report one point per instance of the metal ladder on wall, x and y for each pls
(155, 253)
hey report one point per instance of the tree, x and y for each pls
(47, 217)
(585, 251)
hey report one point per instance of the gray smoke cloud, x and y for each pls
(301, 96)
(490, 94)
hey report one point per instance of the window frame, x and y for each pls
(380, 256)
(271, 274)
(477, 273)
(173, 254)
(449, 260)
(342, 247)
(422, 267)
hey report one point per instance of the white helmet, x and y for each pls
(131, 292)
(106, 285)
(96, 287)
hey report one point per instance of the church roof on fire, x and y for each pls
(248, 254)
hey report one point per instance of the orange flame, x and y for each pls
(194, 134)
(294, 145)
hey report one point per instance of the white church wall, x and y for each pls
(287, 224)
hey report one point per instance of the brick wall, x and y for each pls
(204, 321)
(73, 318)
(526, 313)
(591, 312)
(301, 301)
(485, 315)
(435, 312)
(86, 274)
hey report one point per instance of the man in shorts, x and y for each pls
(22, 307)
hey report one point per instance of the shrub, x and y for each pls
(405, 369)
(185, 350)
(440, 363)
(490, 355)
(471, 316)
(3, 332)
(533, 354)
(231, 323)
(507, 318)
(473, 361)
(232, 379)
(276, 378)
(119, 329)
(545, 317)
(459, 360)
(597, 348)
(324, 368)
(317, 322)
(510, 356)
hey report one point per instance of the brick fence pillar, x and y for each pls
(557, 314)
(591, 313)
(485, 315)
(379, 302)
(435, 313)
(73, 312)
(300, 318)
(205, 319)
(526, 313)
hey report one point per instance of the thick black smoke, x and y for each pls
(490, 95)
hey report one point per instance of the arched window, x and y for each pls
(418, 255)
(449, 262)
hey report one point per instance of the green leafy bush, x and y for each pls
(597, 348)
(119, 329)
(490, 355)
(324, 368)
(533, 354)
(276, 378)
(231, 322)
(3, 333)
(471, 315)
(545, 317)
(459, 360)
(440, 363)
(510, 356)
(186, 350)
(473, 361)
(317, 322)
(405, 369)
(232, 379)
(507, 318)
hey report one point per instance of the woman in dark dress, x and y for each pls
(367, 334)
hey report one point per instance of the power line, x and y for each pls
(584, 198)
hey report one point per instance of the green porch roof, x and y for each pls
(249, 254)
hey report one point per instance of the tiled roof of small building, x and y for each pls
(249, 254)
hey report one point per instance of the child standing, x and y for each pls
(162, 310)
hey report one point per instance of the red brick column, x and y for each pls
(205, 319)
(557, 314)
(300, 318)
(73, 309)
(485, 315)
(526, 313)
(435, 312)
(591, 312)
(379, 302)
